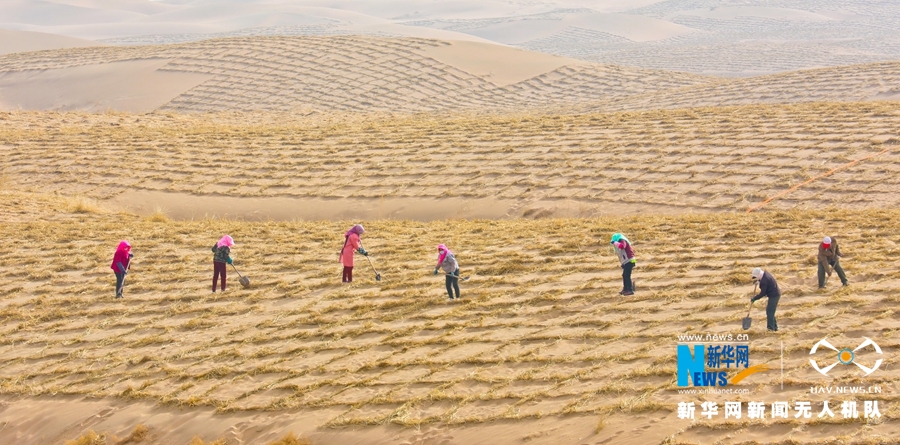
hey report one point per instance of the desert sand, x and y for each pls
(378, 75)
(709, 37)
(537, 351)
(719, 138)
(285, 166)
(24, 41)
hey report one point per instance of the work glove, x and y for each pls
(435, 271)
(229, 261)
(362, 251)
(130, 255)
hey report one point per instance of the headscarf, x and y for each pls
(226, 240)
(618, 237)
(826, 242)
(124, 246)
(442, 255)
(357, 229)
(757, 273)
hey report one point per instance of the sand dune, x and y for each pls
(703, 36)
(404, 115)
(362, 74)
(24, 41)
(372, 74)
(539, 350)
(135, 86)
(857, 83)
(285, 166)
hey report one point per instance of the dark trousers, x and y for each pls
(218, 269)
(347, 276)
(120, 283)
(837, 268)
(771, 323)
(453, 283)
(626, 276)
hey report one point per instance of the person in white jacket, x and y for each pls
(447, 262)
(626, 257)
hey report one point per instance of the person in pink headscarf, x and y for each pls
(447, 262)
(120, 264)
(352, 244)
(222, 256)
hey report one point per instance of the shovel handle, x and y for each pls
(236, 271)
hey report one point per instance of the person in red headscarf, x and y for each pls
(829, 259)
(120, 264)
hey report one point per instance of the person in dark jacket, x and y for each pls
(768, 288)
(120, 264)
(829, 259)
(222, 256)
(625, 253)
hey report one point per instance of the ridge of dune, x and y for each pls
(26, 41)
(853, 83)
(349, 73)
(375, 74)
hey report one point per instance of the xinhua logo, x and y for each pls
(709, 365)
(845, 356)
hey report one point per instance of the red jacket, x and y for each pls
(121, 257)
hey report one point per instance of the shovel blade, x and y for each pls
(746, 322)
(378, 277)
(245, 282)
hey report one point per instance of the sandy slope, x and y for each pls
(280, 166)
(133, 86)
(702, 36)
(856, 83)
(348, 73)
(24, 41)
(539, 350)
(371, 74)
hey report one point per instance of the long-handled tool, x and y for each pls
(457, 276)
(121, 290)
(244, 280)
(377, 275)
(745, 323)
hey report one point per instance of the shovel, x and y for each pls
(244, 280)
(377, 275)
(745, 323)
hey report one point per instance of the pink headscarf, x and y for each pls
(442, 255)
(226, 240)
(124, 246)
(357, 229)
